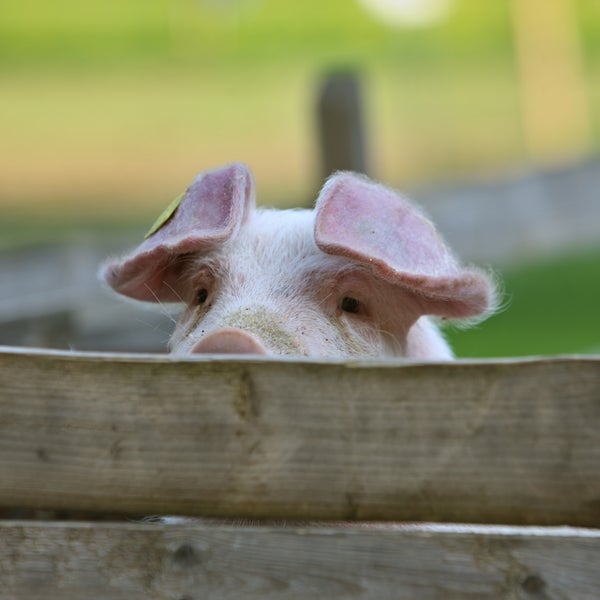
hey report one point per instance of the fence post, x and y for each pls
(341, 124)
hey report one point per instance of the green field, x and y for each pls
(112, 107)
(551, 307)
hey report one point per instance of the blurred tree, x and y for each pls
(553, 95)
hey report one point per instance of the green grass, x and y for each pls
(243, 31)
(552, 307)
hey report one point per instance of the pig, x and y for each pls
(364, 274)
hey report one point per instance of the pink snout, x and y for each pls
(229, 341)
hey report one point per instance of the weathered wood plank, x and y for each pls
(483, 442)
(129, 561)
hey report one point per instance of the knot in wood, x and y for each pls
(533, 585)
(186, 556)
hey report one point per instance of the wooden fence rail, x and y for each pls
(68, 561)
(483, 442)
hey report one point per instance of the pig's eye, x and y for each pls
(350, 305)
(202, 296)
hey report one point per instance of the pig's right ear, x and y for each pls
(380, 229)
(211, 211)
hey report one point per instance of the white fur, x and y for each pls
(273, 282)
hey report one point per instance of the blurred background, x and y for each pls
(487, 113)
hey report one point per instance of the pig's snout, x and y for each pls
(229, 341)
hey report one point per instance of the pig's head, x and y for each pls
(358, 276)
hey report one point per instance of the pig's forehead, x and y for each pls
(277, 236)
(270, 221)
(291, 229)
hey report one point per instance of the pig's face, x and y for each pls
(355, 277)
(273, 283)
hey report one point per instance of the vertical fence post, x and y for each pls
(341, 124)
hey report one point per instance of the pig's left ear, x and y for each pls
(210, 212)
(375, 226)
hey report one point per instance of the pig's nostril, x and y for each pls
(229, 341)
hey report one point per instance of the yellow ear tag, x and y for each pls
(165, 215)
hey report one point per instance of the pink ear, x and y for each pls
(375, 226)
(211, 211)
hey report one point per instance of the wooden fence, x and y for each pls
(312, 479)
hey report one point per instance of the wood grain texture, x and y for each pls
(481, 442)
(130, 561)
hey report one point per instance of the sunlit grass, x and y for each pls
(115, 106)
(135, 139)
(138, 138)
